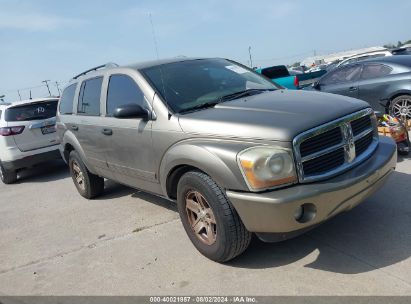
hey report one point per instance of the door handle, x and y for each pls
(74, 128)
(352, 89)
(107, 131)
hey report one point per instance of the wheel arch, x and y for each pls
(186, 157)
(70, 143)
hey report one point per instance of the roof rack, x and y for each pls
(103, 66)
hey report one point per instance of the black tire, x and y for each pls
(7, 176)
(398, 103)
(232, 238)
(91, 185)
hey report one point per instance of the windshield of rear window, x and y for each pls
(184, 85)
(34, 111)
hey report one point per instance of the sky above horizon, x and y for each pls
(55, 40)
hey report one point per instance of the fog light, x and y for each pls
(305, 213)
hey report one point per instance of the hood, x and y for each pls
(278, 115)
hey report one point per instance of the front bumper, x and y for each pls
(273, 212)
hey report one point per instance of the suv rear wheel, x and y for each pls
(87, 184)
(209, 219)
(7, 176)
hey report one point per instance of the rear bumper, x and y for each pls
(31, 160)
(273, 212)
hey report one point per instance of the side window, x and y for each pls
(66, 100)
(89, 97)
(345, 74)
(122, 90)
(375, 70)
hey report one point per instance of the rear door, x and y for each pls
(343, 81)
(88, 124)
(38, 121)
(373, 84)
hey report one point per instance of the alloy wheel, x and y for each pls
(402, 108)
(78, 175)
(201, 217)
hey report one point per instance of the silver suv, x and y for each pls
(237, 153)
(27, 135)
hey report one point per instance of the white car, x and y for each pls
(363, 56)
(27, 135)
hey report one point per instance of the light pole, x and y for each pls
(58, 88)
(47, 85)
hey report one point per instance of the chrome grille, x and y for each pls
(335, 147)
(361, 124)
(320, 142)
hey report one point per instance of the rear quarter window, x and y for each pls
(34, 111)
(375, 70)
(66, 100)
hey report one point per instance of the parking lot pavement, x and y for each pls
(53, 242)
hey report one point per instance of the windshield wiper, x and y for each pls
(244, 93)
(201, 106)
(228, 97)
(35, 118)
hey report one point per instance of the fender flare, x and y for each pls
(203, 156)
(70, 139)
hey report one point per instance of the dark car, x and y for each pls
(401, 51)
(385, 83)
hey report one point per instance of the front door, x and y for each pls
(128, 141)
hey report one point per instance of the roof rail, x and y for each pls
(103, 66)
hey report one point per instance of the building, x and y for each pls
(321, 59)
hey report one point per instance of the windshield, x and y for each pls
(189, 84)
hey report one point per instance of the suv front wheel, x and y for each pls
(7, 176)
(209, 219)
(87, 184)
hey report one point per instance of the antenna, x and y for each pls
(158, 57)
(30, 95)
(154, 36)
(18, 92)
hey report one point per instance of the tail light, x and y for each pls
(296, 82)
(10, 131)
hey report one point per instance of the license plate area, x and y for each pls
(48, 129)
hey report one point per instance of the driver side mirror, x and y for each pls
(131, 110)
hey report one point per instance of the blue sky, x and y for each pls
(58, 39)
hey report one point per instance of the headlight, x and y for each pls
(267, 167)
